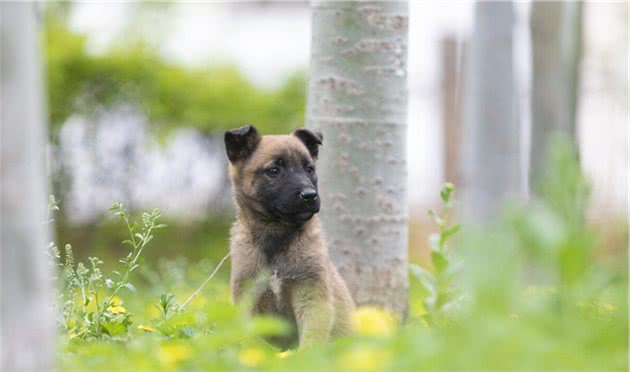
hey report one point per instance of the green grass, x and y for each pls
(531, 330)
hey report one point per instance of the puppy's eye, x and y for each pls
(273, 171)
(310, 169)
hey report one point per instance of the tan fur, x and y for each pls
(304, 287)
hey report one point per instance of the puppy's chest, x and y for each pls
(278, 285)
(281, 272)
(286, 259)
(284, 272)
(275, 284)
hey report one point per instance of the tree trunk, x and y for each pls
(452, 107)
(490, 143)
(27, 317)
(556, 48)
(358, 99)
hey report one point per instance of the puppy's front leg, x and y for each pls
(314, 311)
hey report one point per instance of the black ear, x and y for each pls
(240, 143)
(312, 140)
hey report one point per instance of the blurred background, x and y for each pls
(141, 93)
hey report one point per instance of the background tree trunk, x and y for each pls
(27, 316)
(490, 144)
(451, 89)
(556, 29)
(358, 99)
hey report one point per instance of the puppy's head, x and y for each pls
(274, 176)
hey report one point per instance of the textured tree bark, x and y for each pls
(490, 143)
(358, 99)
(556, 29)
(27, 321)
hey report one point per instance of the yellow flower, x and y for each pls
(173, 353)
(116, 301)
(117, 309)
(284, 354)
(365, 359)
(371, 321)
(251, 357)
(147, 328)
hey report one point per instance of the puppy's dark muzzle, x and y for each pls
(311, 199)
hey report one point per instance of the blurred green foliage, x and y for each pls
(534, 296)
(209, 99)
(193, 240)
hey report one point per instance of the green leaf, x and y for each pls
(173, 326)
(446, 234)
(440, 262)
(115, 328)
(423, 275)
(447, 191)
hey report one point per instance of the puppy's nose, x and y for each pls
(309, 195)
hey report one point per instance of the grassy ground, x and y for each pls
(533, 291)
(532, 328)
(506, 311)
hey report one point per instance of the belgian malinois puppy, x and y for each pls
(277, 232)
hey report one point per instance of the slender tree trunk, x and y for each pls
(26, 298)
(358, 99)
(490, 145)
(452, 83)
(556, 29)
